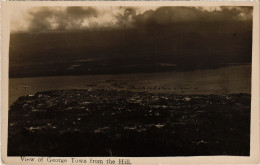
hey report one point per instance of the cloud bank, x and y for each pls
(74, 18)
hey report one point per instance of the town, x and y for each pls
(105, 122)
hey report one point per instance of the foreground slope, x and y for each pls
(123, 123)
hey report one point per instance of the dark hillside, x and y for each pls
(130, 50)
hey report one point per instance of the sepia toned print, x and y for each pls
(130, 81)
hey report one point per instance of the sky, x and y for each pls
(73, 18)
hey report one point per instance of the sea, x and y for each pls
(225, 80)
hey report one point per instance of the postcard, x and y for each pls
(130, 83)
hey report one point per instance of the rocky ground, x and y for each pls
(121, 123)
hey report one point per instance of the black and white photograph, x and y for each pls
(130, 81)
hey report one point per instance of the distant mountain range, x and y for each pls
(153, 48)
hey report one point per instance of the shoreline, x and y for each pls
(203, 68)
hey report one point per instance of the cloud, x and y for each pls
(81, 12)
(42, 19)
(49, 19)
(125, 19)
(171, 15)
